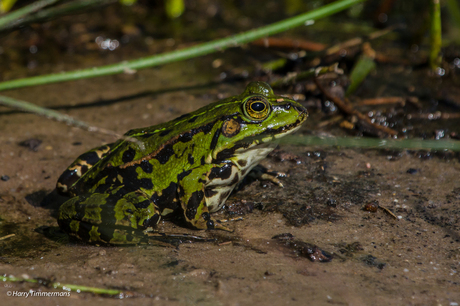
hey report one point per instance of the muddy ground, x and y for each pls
(376, 259)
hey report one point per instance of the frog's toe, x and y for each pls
(272, 178)
(219, 226)
(207, 222)
(262, 174)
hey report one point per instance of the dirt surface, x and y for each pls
(377, 259)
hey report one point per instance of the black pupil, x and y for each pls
(257, 106)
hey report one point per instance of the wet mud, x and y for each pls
(373, 257)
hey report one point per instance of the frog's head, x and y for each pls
(258, 117)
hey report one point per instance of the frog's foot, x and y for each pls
(218, 225)
(261, 173)
(231, 220)
(205, 221)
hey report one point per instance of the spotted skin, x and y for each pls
(184, 169)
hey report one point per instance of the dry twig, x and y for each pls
(349, 110)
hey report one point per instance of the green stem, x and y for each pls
(435, 34)
(364, 142)
(26, 10)
(49, 113)
(188, 53)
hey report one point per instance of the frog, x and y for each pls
(182, 170)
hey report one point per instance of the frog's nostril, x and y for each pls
(301, 110)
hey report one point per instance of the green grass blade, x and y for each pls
(435, 35)
(375, 143)
(359, 72)
(28, 9)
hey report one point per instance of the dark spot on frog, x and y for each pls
(228, 153)
(186, 137)
(206, 216)
(165, 132)
(202, 161)
(181, 117)
(193, 203)
(164, 155)
(191, 120)
(152, 222)
(209, 193)
(143, 204)
(89, 157)
(214, 140)
(83, 169)
(242, 163)
(128, 155)
(68, 179)
(83, 230)
(130, 178)
(191, 160)
(146, 183)
(146, 135)
(167, 198)
(183, 174)
(146, 166)
(223, 172)
(205, 128)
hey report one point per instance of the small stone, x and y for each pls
(412, 171)
(32, 144)
(371, 206)
(5, 178)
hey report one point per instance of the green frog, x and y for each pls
(183, 169)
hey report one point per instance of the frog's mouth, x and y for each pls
(270, 135)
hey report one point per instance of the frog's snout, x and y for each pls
(303, 112)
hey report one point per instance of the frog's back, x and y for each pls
(158, 154)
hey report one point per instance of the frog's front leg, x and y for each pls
(203, 190)
(115, 217)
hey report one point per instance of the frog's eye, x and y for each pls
(257, 107)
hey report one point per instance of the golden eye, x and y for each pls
(257, 107)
